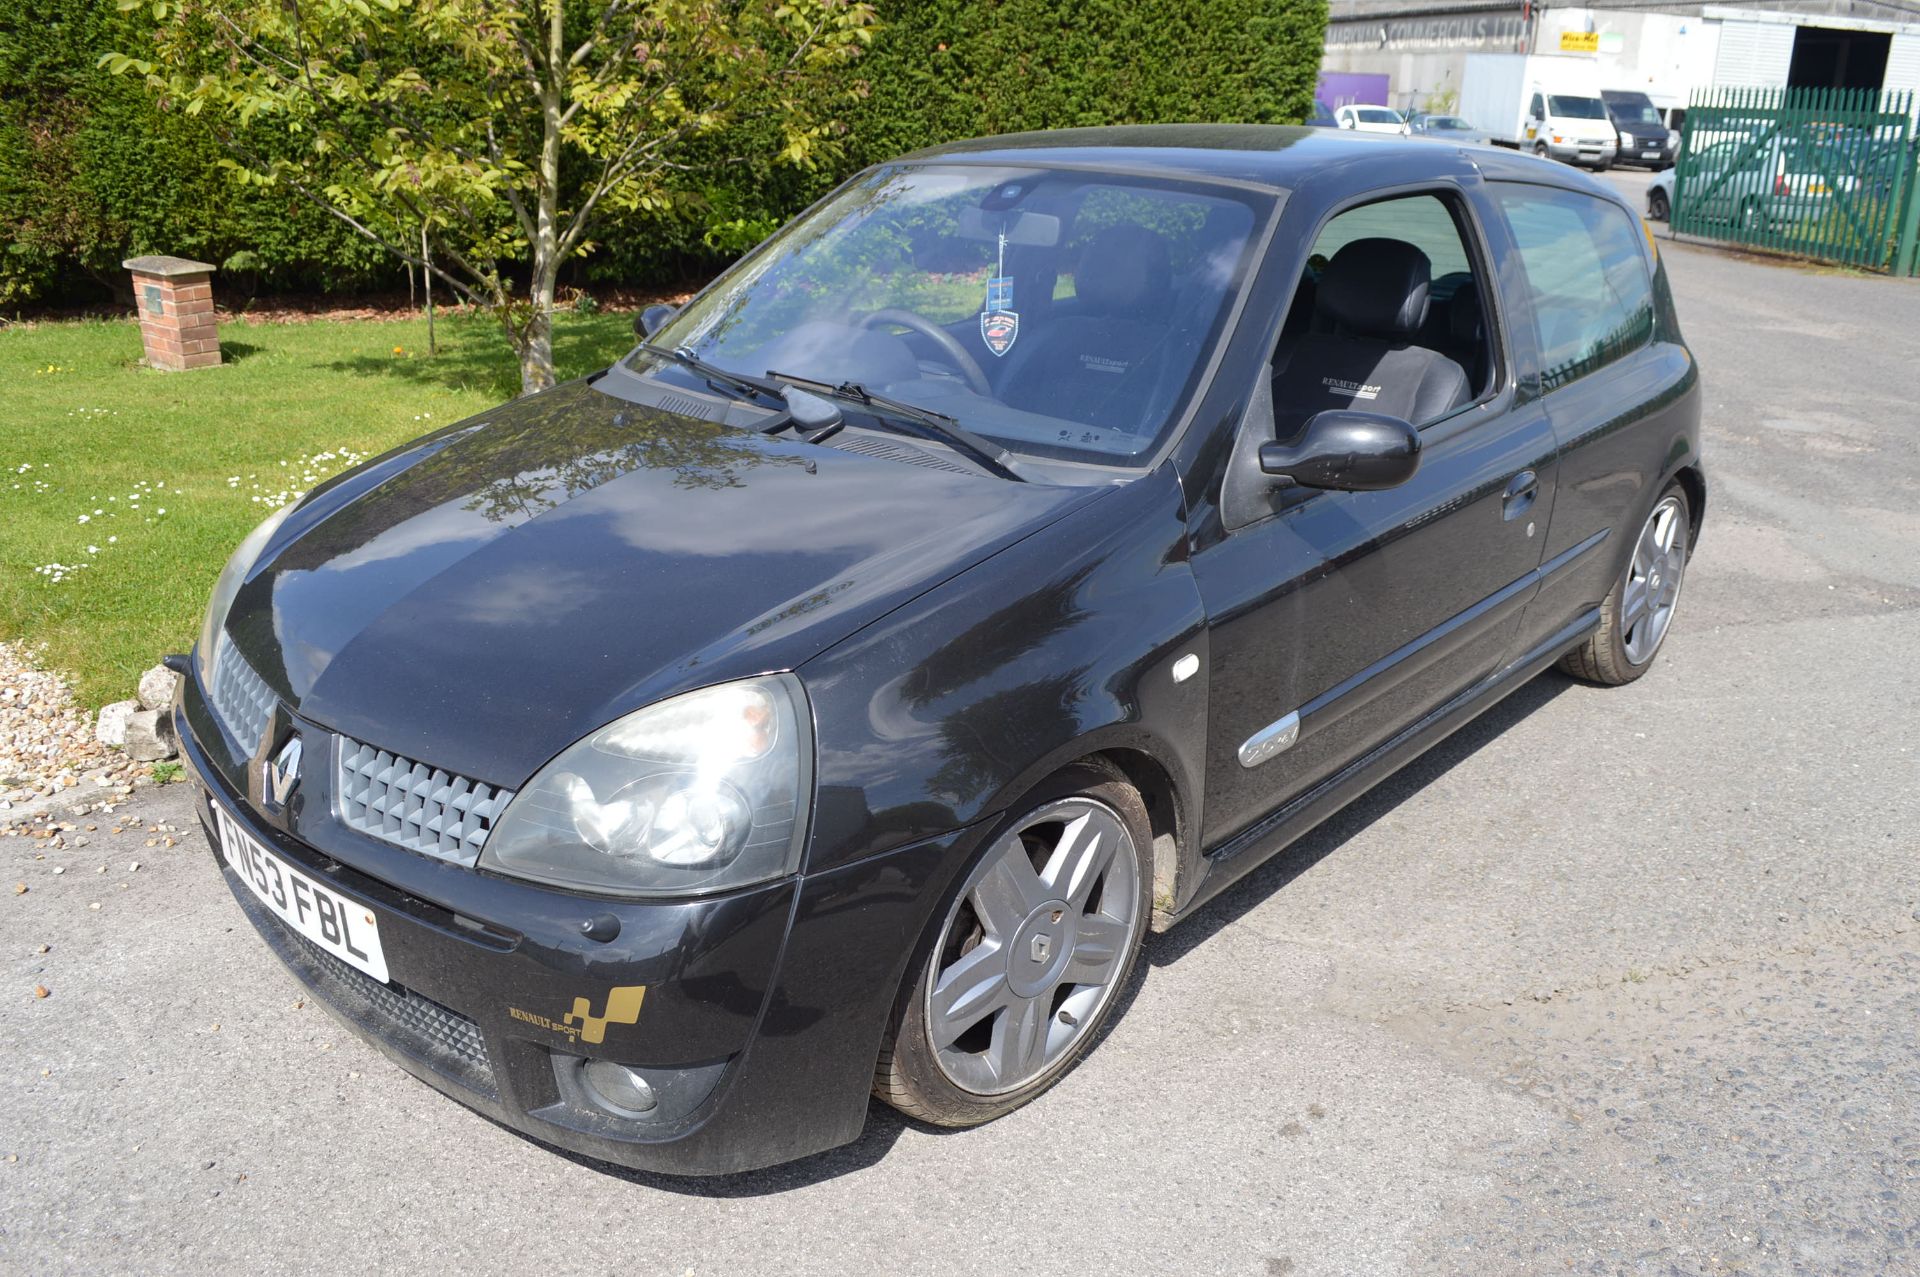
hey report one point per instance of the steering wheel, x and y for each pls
(963, 363)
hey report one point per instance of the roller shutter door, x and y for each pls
(1753, 55)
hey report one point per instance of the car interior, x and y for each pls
(1124, 310)
(1116, 291)
(1387, 318)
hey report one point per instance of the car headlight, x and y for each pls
(231, 578)
(702, 792)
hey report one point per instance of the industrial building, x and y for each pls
(1665, 50)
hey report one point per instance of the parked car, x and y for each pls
(1446, 128)
(1371, 119)
(1003, 559)
(1660, 196)
(1644, 139)
(1759, 185)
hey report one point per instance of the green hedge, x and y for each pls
(948, 69)
(91, 170)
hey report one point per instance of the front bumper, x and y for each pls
(773, 1000)
(1656, 155)
(1575, 152)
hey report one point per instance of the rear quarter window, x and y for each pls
(1587, 277)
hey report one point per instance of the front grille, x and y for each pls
(240, 697)
(415, 806)
(426, 1021)
(444, 1039)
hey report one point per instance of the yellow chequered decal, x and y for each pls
(623, 1007)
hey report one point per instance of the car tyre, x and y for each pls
(1657, 208)
(949, 1062)
(1540, 149)
(1638, 612)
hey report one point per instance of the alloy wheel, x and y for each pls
(1653, 582)
(1034, 947)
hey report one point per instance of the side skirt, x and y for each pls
(1233, 860)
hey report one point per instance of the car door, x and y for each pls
(1536, 116)
(1338, 619)
(1612, 376)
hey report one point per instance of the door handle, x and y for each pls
(1521, 490)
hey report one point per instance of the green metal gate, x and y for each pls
(1826, 173)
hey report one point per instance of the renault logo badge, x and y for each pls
(283, 773)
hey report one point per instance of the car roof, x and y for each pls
(1282, 157)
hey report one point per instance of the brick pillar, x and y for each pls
(175, 300)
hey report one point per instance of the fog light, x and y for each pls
(619, 1089)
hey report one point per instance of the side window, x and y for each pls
(1420, 220)
(1586, 272)
(1387, 318)
(1538, 110)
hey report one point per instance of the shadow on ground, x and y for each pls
(1349, 821)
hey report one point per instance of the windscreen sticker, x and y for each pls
(999, 321)
(999, 328)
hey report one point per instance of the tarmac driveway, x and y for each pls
(1613, 981)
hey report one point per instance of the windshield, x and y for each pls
(1447, 122)
(1060, 312)
(1577, 108)
(1375, 115)
(1631, 113)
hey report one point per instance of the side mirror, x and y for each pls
(653, 319)
(1348, 451)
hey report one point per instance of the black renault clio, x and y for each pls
(1000, 561)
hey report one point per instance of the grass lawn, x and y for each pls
(137, 484)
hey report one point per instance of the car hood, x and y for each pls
(485, 597)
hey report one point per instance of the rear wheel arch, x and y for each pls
(1694, 483)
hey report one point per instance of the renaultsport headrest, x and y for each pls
(1377, 287)
(1124, 269)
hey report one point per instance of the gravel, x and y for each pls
(49, 759)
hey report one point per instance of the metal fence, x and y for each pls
(1826, 173)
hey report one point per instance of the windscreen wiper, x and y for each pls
(937, 426)
(717, 377)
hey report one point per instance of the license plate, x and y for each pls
(338, 925)
(1649, 155)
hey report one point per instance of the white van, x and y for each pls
(1571, 127)
(1547, 103)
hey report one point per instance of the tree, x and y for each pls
(505, 129)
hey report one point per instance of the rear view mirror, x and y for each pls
(653, 319)
(1022, 229)
(1347, 451)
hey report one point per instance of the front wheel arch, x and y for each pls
(907, 1075)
